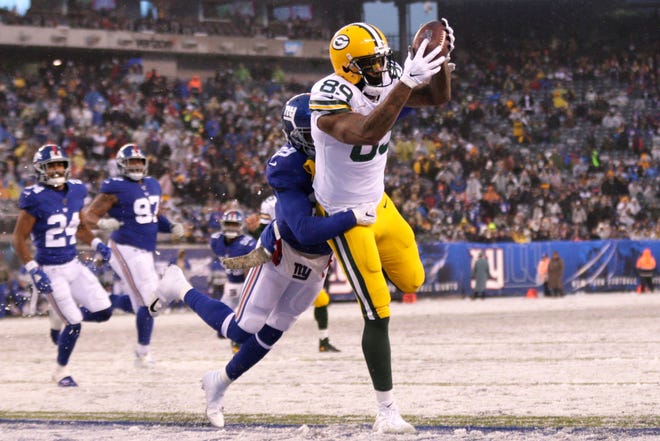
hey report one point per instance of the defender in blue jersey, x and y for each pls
(278, 290)
(51, 214)
(266, 214)
(133, 200)
(230, 241)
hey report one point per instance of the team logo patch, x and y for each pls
(340, 42)
(300, 271)
(289, 113)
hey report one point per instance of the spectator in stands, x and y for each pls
(148, 104)
(480, 275)
(646, 267)
(556, 275)
(542, 274)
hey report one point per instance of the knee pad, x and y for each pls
(98, 316)
(269, 335)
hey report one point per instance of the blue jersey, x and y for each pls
(57, 214)
(136, 208)
(289, 173)
(239, 246)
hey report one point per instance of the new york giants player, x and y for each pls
(133, 199)
(51, 213)
(353, 111)
(276, 292)
(266, 215)
(230, 241)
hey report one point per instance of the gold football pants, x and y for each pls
(323, 299)
(372, 254)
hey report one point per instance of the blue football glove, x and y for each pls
(102, 249)
(39, 277)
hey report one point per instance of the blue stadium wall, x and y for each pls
(590, 266)
(593, 266)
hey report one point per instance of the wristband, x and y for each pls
(96, 242)
(408, 81)
(32, 264)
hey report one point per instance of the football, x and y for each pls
(435, 31)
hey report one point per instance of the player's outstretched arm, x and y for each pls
(85, 235)
(98, 208)
(24, 224)
(309, 229)
(436, 92)
(356, 129)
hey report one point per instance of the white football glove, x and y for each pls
(420, 69)
(365, 214)
(177, 230)
(108, 224)
(450, 36)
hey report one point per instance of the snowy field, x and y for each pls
(584, 367)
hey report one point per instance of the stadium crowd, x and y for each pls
(233, 24)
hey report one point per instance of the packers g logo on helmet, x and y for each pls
(360, 50)
(340, 42)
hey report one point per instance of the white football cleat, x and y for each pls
(215, 384)
(144, 360)
(389, 420)
(62, 378)
(172, 287)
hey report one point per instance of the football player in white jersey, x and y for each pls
(51, 214)
(353, 111)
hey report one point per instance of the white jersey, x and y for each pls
(346, 175)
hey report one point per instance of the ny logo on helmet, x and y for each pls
(289, 113)
(55, 152)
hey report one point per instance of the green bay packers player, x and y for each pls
(353, 111)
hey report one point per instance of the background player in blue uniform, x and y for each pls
(133, 199)
(50, 212)
(230, 241)
(285, 285)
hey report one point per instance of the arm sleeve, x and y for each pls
(309, 229)
(164, 224)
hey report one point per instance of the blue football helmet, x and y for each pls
(296, 124)
(48, 154)
(232, 223)
(129, 168)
